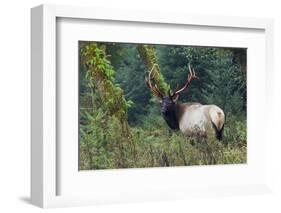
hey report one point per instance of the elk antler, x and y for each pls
(153, 88)
(190, 77)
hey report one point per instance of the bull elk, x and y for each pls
(193, 119)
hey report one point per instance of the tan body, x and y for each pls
(197, 119)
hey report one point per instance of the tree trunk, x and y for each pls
(148, 55)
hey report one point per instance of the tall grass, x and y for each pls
(152, 144)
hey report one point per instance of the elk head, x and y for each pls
(169, 102)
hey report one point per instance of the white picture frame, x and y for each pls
(45, 168)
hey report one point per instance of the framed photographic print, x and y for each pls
(130, 106)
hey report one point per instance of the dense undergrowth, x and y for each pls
(121, 127)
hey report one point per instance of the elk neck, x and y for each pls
(171, 115)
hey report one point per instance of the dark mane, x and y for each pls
(170, 114)
(172, 120)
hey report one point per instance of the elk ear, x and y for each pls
(175, 98)
(156, 100)
(159, 100)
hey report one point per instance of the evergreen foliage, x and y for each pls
(120, 123)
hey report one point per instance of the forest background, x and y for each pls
(120, 121)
